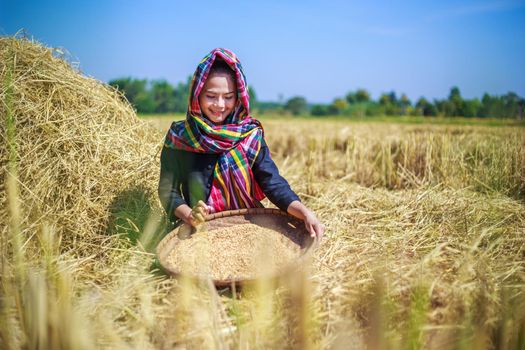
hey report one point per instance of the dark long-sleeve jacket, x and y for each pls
(186, 177)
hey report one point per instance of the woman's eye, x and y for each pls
(208, 96)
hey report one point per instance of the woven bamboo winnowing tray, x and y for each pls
(275, 219)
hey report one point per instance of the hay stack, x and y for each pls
(81, 151)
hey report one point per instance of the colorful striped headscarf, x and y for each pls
(238, 140)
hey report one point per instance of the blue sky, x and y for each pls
(319, 49)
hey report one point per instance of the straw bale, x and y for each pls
(81, 151)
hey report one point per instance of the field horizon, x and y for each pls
(367, 119)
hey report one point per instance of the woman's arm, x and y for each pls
(170, 191)
(277, 189)
(312, 223)
(169, 184)
(274, 186)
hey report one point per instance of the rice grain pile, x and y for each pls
(237, 252)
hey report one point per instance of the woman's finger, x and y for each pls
(199, 217)
(317, 230)
(191, 221)
(202, 205)
(205, 210)
(311, 229)
(201, 211)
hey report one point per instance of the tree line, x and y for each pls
(159, 96)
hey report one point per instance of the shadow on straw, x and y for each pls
(131, 213)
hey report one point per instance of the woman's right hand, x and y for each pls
(199, 212)
(193, 216)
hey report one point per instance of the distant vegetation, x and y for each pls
(159, 96)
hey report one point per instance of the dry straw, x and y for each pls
(77, 169)
(81, 151)
(486, 159)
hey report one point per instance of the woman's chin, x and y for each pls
(217, 119)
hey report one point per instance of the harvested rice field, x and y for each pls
(424, 248)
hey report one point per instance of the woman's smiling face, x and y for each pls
(218, 97)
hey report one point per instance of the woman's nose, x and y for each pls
(220, 102)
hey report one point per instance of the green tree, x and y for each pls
(521, 109)
(180, 96)
(296, 105)
(405, 104)
(369, 109)
(384, 104)
(144, 103)
(351, 97)
(388, 104)
(162, 94)
(455, 107)
(393, 97)
(131, 88)
(254, 103)
(319, 110)
(513, 105)
(384, 99)
(338, 106)
(426, 108)
(491, 106)
(362, 95)
(444, 107)
(471, 108)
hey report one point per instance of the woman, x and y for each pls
(217, 159)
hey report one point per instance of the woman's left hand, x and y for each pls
(312, 223)
(314, 226)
